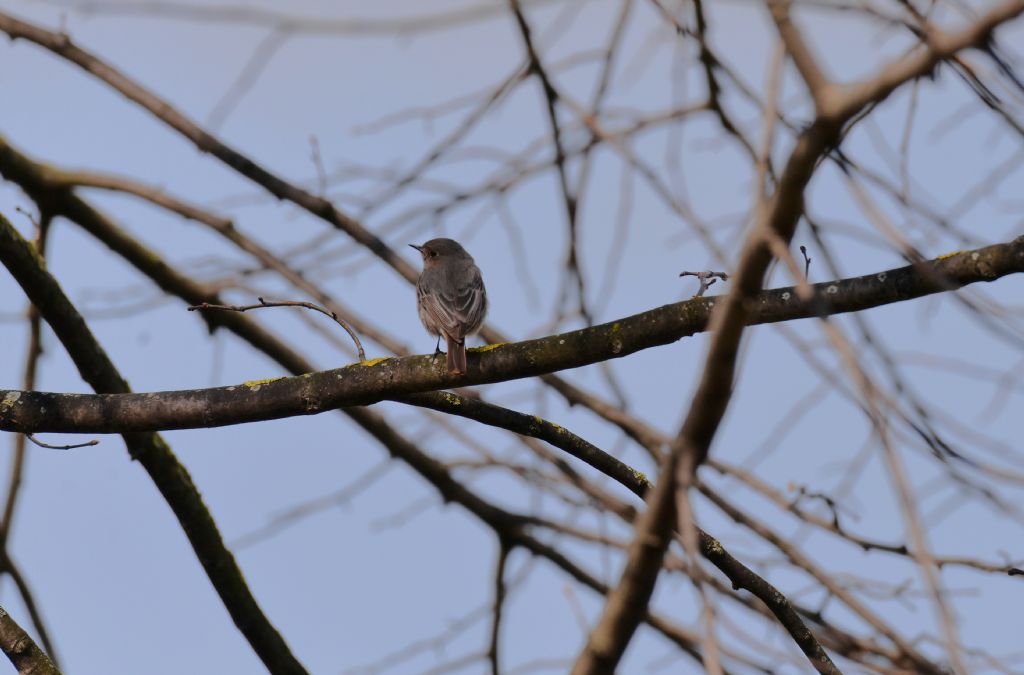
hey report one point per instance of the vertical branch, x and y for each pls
(604, 79)
(710, 64)
(499, 605)
(689, 537)
(14, 481)
(921, 554)
(32, 354)
(569, 198)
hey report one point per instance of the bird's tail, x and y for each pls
(456, 357)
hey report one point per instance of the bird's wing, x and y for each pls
(469, 302)
(438, 315)
(458, 312)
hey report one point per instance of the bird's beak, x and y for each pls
(418, 248)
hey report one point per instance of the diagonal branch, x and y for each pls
(560, 437)
(28, 598)
(151, 451)
(940, 46)
(32, 179)
(502, 522)
(805, 61)
(162, 274)
(59, 179)
(24, 654)
(609, 639)
(738, 574)
(62, 45)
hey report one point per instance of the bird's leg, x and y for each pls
(437, 347)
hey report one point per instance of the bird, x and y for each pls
(450, 297)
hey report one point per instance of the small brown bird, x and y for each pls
(451, 298)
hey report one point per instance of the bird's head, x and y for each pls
(437, 251)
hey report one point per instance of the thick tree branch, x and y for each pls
(740, 576)
(77, 210)
(618, 622)
(170, 477)
(504, 523)
(372, 381)
(681, 445)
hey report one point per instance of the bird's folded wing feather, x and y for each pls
(458, 311)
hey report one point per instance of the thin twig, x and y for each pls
(318, 164)
(286, 303)
(807, 261)
(61, 447)
(569, 197)
(499, 606)
(707, 279)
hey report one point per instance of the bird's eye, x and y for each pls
(433, 254)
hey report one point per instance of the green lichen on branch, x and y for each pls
(256, 384)
(452, 399)
(641, 478)
(9, 400)
(713, 546)
(486, 348)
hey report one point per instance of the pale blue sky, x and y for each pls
(117, 582)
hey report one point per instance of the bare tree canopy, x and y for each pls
(806, 457)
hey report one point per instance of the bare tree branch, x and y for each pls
(206, 306)
(609, 638)
(23, 653)
(667, 51)
(151, 451)
(371, 381)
